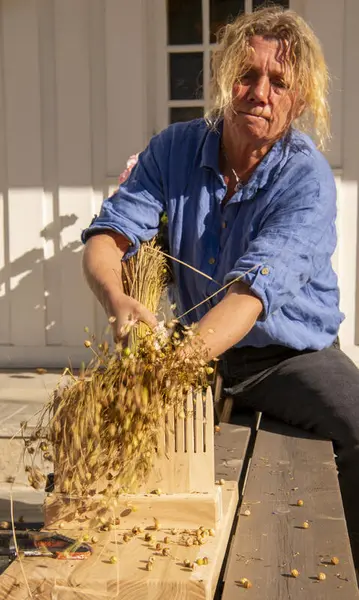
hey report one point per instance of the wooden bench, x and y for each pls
(273, 535)
(275, 466)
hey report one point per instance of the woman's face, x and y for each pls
(263, 106)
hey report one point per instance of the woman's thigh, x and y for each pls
(318, 391)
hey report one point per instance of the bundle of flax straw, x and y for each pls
(103, 426)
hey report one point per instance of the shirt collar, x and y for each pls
(210, 148)
(263, 173)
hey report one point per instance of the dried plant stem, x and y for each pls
(16, 545)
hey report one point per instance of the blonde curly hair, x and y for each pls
(307, 69)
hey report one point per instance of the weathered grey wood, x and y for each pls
(230, 447)
(288, 465)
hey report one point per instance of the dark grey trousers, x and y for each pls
(315, 390)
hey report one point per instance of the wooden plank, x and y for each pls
(96, 577)
(173, 510)
(74, 162)
(5, 321)
(127, 125)
(129, 579)
(52, 223)
(288, 465)
(24, 170)
(230, 447)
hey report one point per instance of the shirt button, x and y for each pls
(224, 224)
(265, 271)
(212, 261)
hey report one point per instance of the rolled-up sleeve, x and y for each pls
(293, 238)
(135, 208)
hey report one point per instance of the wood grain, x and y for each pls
(173, 510)
(96, 578)
(289, 465)
(128, 579)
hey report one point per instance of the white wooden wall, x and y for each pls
(336, 24)
(72, 108)
(77, 96)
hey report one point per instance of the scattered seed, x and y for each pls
(321, 576)
(217, 429)
(113, 560)
(294, 573)
(41, 371)
(247, 512)
(334, 560)
(300, 502)
(126, 538)
(245, 583)
(187, 562)
(149, 566)
(157, 525)
(166, 551)
(211, 532)
(94, 539)
(305, 525)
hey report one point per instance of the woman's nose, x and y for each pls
(259, 90)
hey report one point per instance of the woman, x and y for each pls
(251, 203)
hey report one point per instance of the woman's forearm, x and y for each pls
(228, 322)
(102, 266)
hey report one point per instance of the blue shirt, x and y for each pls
(277, 232)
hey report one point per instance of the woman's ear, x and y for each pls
(299, 109)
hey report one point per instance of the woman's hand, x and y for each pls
(123, 312)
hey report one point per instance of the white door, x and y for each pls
(184, 40)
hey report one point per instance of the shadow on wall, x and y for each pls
(36, 300)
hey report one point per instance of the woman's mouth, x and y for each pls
(249, 114)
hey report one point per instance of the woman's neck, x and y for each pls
(239, 156)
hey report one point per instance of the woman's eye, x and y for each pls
(279, 83)
(246, 77)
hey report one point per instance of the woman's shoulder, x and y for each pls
(303, 159)
(303, 148)
(183, 133)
